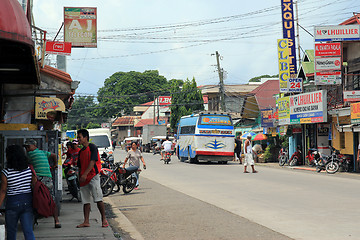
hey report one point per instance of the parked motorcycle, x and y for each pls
(313, 157)
(283, 156)
(167, 158)
(296, 158)
(119, 177)
(71, 173)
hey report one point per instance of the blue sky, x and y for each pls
(177, 38)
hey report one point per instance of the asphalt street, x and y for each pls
(271, 204)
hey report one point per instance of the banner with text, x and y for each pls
(267, 118)
(355, 113)
(284, 110)
(284, 64)
(337, 33)
(352, 96)
(80, 26)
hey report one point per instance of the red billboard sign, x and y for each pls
(60, 48)
(327, 49)
(164, 100)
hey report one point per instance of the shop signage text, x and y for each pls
(352, 96)
(284, 64)
(327, 49)
(59, 48)
(284, 111)
(266, 118)
(328, 63)
(287, 14)
(337, 33)
(326, 78)
(295, 85)
(44, 105)
(164, 100)
(80, 26)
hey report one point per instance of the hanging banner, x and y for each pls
(44, 106)
(284, 64)
(337, 33)
(287, 14)
(355, 113)
(308, 107)
(284, 111)
(80, 26)
(328, 78)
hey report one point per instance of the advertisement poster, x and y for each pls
(355, 113)
(308, 107)
(284, 111)
(287, 15)
(328, 63)
(80, 26)
(328, 49)
(284, 65)
(267, 118)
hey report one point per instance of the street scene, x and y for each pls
(179, 120)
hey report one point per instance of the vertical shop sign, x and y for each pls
(284, 111)
(284, 64)
(289, 32)
(80, 26)
(266, 118)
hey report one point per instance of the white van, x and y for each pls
(101, 138)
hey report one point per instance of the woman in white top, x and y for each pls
(16, 182)
(249, 160)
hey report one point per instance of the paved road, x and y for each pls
(297, 204)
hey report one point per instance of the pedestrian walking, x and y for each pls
(249, 160)
(40, 161)
(16, 182)
(134, 156)
(89, 164)
(237, 150)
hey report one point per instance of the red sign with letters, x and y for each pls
(164, 100)
(59, 48)
(327, 49)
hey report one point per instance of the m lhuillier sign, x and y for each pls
(337, 33)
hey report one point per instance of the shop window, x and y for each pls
(342, 140)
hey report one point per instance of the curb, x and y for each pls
(123, 222)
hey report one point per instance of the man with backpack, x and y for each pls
(89, 164)
(39, 159)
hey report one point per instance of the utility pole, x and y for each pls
(221, 88)
(298, 33)
(154, 108)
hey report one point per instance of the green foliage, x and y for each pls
(82, 113)
(257, 79)
(124, 90)
(285, 141)
(184, 101)
(268, 156)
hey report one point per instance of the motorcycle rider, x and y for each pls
(167, 147)
(134, 156)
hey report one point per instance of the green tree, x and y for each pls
(82, 113)
(258, 79)
(124, 90)
(184, 101)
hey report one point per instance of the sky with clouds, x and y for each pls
(178, 38)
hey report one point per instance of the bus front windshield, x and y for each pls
(215, 120)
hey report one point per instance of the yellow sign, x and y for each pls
(284, 110)
(44, 105)
(284, 63)
(355, 113)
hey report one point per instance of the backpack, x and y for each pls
(43, 202)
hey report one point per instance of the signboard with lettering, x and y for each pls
(327, 49)
(328, 63)
(295, 85)
(288, 25)
(284, 64)
(44, 106)
(337, 33)
(308, 107)
(164, 100)
(352, 96)
(59, 48)
(355, 113)
(80, 26)
(266, 118)
(284, 111)
(326, 78)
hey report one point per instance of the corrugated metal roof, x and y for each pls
(125, 121)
